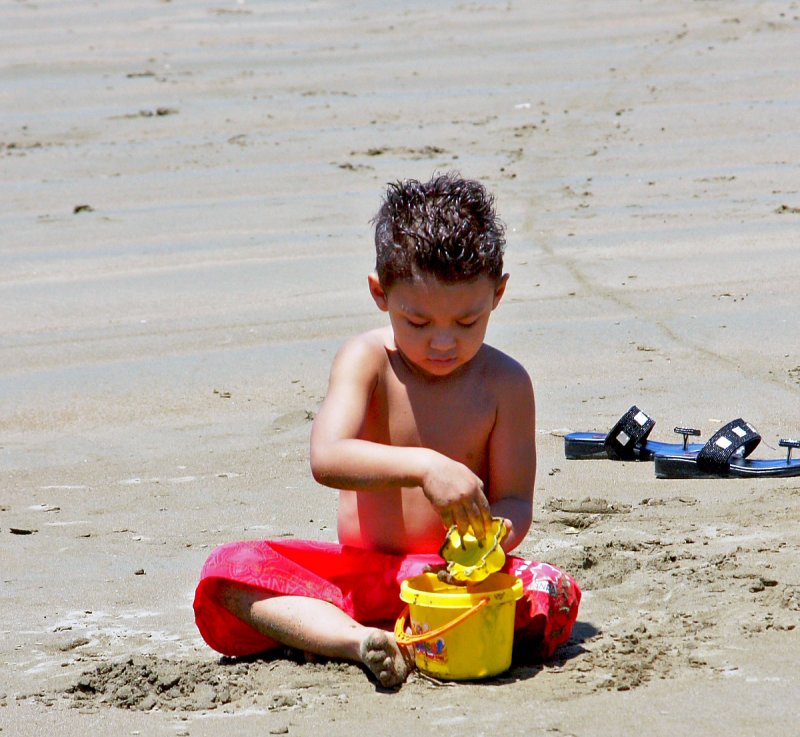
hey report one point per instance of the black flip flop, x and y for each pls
(626, 441)
(725, 456)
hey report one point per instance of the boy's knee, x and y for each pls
(238, 598)
(226, 593)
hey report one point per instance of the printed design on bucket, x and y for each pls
(431, 650)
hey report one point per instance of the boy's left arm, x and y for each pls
(512, 455)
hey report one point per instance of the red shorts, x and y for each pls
(366, 585)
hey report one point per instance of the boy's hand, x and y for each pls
(457, 494)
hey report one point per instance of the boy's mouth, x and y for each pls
(442, 360)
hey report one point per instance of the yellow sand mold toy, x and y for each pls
(472, 560)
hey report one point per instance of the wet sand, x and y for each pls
(185, 239)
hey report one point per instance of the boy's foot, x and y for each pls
(384, 657)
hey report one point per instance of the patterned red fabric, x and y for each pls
(366, 585)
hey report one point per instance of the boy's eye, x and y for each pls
(467, 323)
(416, 324)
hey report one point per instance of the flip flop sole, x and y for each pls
(585, 446)
(580, 446)
(685, 467)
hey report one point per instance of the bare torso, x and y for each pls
(454, 415)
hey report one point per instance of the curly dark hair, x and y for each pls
(446, 227)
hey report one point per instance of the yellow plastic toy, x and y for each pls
(473, 560)
(459, 632)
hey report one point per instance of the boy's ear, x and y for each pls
(376, 290)
(500, 290)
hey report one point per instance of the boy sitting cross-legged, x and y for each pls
(423, 426)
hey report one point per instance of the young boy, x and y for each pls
(423, 426)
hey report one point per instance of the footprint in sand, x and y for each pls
(291, 420)
(588, 505)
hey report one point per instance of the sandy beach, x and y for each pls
(186, 193)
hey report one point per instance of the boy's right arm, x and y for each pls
(342, 460)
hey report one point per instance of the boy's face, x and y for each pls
(438, 326)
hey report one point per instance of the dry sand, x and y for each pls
(186, 189)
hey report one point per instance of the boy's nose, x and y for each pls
(442, 340)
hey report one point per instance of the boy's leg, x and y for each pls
(317, 627)
(548, 608)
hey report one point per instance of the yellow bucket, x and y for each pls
(459, 632)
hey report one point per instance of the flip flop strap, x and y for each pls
(716, 454)
(631, 430)
(788, 443)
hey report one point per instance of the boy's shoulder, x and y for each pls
(366, 349)
(509, 385)
(372, 341)
(504, 376)
(500, 367)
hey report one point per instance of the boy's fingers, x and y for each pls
(461, 521)
(483, 513)
(480, 518)
(470, 516)
(447, 518)
(477, 523)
